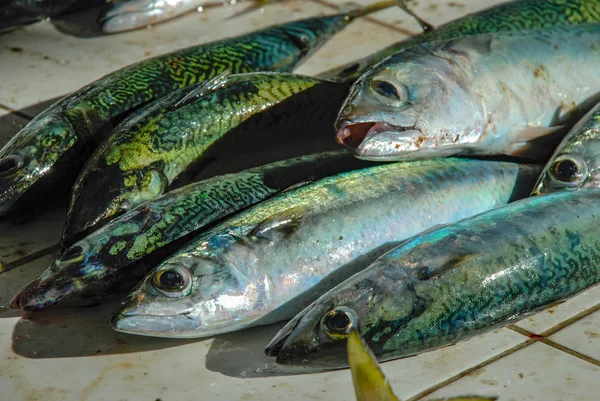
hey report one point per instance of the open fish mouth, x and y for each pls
(380, 140)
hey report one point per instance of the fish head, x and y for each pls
(195, 294)
(79, 270)
(576, 162)
(317, 336)
(409, 110)
(31, 154)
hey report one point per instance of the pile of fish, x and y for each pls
(211, 184)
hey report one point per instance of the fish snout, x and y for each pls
(36, 296)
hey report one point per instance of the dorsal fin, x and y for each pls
(424, 273)
(201, 89)
(280, 225)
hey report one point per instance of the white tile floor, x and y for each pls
(72, 354)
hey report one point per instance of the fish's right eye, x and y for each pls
(388, 90)
(568, 170)
(9, 164)
(173, 282)
(338, 322)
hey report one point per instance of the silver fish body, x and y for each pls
(576, 162)
(455, 282)
(485, 94)
(266, 263)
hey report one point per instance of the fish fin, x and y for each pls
(298, 185)
(281, 225)
(370, 384)
(94, 120)
(426, 26)
(201, 89)
(532, 133)
(537, 144)
(240, 240)
(424, 273)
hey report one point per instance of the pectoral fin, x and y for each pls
(281, 225)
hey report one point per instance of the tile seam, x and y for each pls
(32, 256)
(470, 370)
(555, 345)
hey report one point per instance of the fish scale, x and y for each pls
(161, 226)
(263, 264)
(153, 148)
(459, 281)
(32, 170)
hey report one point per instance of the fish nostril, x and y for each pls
(352, 135)
(71, 253)
(8, 164)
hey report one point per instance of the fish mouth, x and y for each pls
(169, 326)
(386, 142)
(381, 141)
(39, 295)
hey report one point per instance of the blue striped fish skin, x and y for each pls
(111, 255)
(266, 263)
(455, 282)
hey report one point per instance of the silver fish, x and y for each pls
(496, 93)
(268, 262)
(455, 282)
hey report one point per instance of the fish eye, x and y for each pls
(71, 253)
(568, 170)
(389, 90)
(173, 282)
(338, 323)
(9, 164)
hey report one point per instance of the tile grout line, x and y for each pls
(532, 338)
(583, 314)
(542, 338)
(470, 370)
(370, 19)
(32, 256)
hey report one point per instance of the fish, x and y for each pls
(227, 122)
(42, 160)
(266, 263)
(515, 15)
(454, 282)
(575, 163)
(118, 16)
(17, 13)
(109, 258)
(370, 384)
(489, 94)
